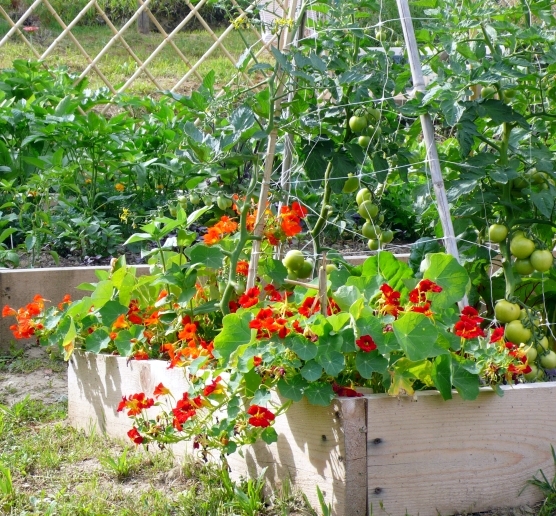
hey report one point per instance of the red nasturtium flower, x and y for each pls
(213, 388)
(468, 326)
(135, 436)
(497, 335)
(346, 392)
(366, 343)
(135, 404)
(419, 293)
(260, 416)
(250, 298)
(266, 323)
(389, 303)
(141, 354)
(185, 409)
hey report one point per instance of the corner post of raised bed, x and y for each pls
(428, 131)
(143, 22)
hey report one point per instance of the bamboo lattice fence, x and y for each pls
(46, 40)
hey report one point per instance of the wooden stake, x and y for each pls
(143, 22)
(269, 163)
(428, 131)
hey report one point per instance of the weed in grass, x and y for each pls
(122, 466)
(548, 488)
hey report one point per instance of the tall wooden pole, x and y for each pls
(428, 131)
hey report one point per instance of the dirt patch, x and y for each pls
(33, 374)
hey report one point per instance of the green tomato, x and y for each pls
(386, 236)
(521, 247)
(370, 230)
(223, 202)
(362, 195)
(306, 270)
(530, 352)
(194, 198)
(523, 267)
(506, 312)
(373, 114)
(381, 34)
(515, 332)
(548, 360)
(541, 260)
(364, 141)
(497, 233)
(373, 244)
(182, 199)
(351, 184)
(531, 376)
(368, 210)
(292, 275)
(509, 94)
(330, 267)
(293, 260)
(544, 343)
(488, 92)
(358, 123)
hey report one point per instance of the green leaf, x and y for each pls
(445, 270)
(386, 265)
(242, 119)
(380, 167)
(102, 293)
(274, 269)
(269, 435)
(211, 257)
(419, 249)
(292, 388)
(311, 371)
(261, 396)
(319, 394)
(466, 383)
(333, 361)
(111, 311)
(544, 202)
(235, 332)
(369, 363)
(123, 342)
(252, 382)
(416, 335)
(452, 110)
(442, 375)
(97, 341)
(302, 347)
(345, 297)
(138, 237)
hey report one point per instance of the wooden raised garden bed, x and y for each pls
(417, 454)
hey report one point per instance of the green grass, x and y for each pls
(118, 65)
(16, 361)
(47, 467)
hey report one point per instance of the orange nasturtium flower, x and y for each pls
(161, 390)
